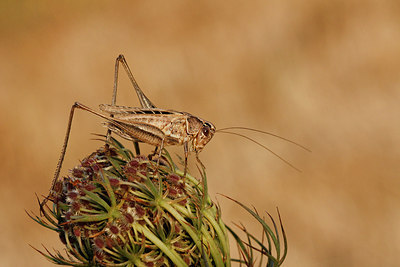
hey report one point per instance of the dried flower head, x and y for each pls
(117, 209)
(135, 213)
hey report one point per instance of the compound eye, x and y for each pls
(206, 130)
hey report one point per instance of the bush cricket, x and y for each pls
(154, 126)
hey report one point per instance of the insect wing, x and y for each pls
(148, 125)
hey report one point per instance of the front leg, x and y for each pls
(199, 161)
(153, 153)
(159, 153)
(186, 151)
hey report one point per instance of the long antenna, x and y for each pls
(263, 146)
(264, 132)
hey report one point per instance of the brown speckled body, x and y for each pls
(158, 127)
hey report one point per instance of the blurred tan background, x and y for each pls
(323, 73)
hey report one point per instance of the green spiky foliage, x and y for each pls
(252, 250)
(117, 209)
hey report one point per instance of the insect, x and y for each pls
(151, 125)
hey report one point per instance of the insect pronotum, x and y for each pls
(151, 125)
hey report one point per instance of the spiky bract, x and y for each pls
(117, 209)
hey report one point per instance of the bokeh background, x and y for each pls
(323, 73)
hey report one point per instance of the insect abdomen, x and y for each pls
(141, 133)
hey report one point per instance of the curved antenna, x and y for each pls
(263, 146)
(264, 132)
